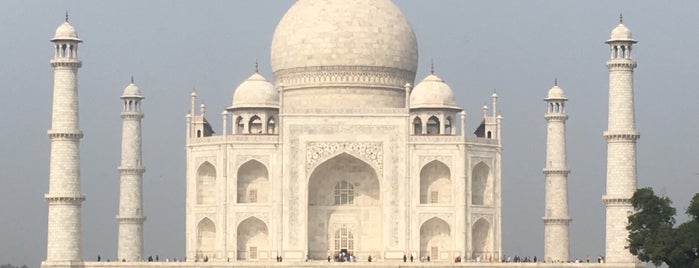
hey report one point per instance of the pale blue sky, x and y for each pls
(514, 47)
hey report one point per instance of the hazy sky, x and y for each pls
(170, 47)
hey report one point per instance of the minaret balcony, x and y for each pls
(69, 63)
(622, 136)
(621, 64)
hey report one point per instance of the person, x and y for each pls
(428, 258)
(99, 258)
(369, 259)
(411, 257)
(405, 258)
(328, 258)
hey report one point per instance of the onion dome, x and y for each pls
(621, 33)
(255, 92)
(344, 33)
(344, 54)
(131, 91)
(66, 32)
(432, 92)
(556, 93)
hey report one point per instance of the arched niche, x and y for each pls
(253, 239)
(435, 183)
(435, 239)
(206, 239)
(253, 183)
(481, 185)
(334, 180)
(206, 184)
(482, 236)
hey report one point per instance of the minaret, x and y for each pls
(556, 219)
(130, 216)
(63, 246)
(621, 136)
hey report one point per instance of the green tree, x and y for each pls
(653, 236)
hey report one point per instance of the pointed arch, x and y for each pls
(481, 185)
(206, 238)
(435, 239)
(482, 236)
(435, 183)
(433, 125)
(255, 125)
(206, 184)
(417, 126)
(449, 126)
(239, 125)
(253, 239)
(343, 178)
(253, 183)
(343, 240)
(271, 126)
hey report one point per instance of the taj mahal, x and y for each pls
(346, 151)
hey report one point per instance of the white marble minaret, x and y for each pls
(621, 137)
(556, 219)
(130, 216)
(63, 247)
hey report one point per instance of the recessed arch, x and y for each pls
(206, 238)
(271, 126)
(341, 176)
(482, 236)
(206, 184)
(449, 126)
(435, 238)
(435, 183)
(481, 185)
(433, 125)
(255, 125)
(253, 239)
(417, 126)
(253, 183)
(239, 125)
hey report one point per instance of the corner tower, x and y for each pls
(621, 136)
(130, 216)
(63, 246)
(556, 219)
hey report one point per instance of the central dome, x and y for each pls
(345, 43)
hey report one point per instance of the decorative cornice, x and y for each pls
(71, 200)
(551, 171)
(131, 115)
(565, 220)
(630, 136)
(131, 170)
(66, 64)
(131, 219)
(616, 200)
(370, 76)
(58, 135)
(556, 117)
(621, 64)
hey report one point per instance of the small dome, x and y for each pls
(255, 92)
(621, 33)
(66, 32)
(556, 93)
(131, 91)
(432, 92)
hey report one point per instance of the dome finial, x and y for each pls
(66, 15)
(257, 67)
(432, 67)
(555, 81)
(131, 79)
(621, 18)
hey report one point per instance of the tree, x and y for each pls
(653, 236)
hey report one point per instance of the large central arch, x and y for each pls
(344, 196)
